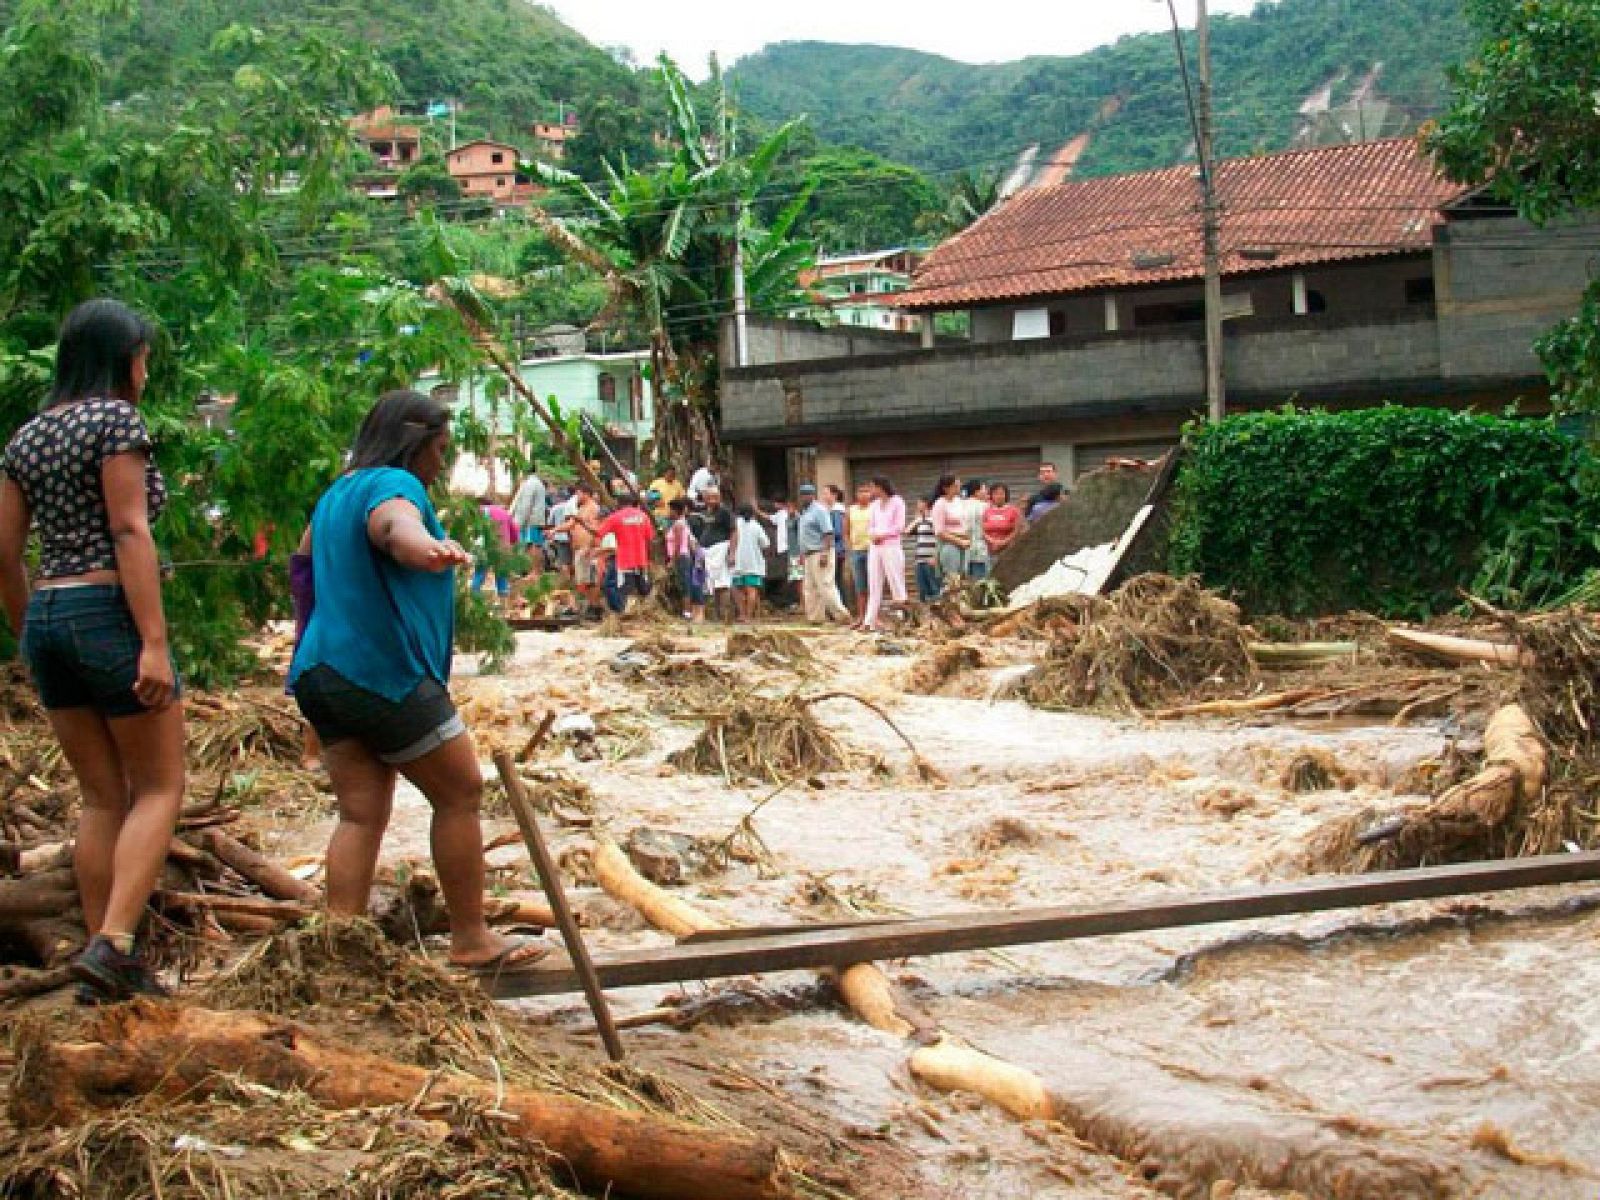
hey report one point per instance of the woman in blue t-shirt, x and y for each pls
(370, 674)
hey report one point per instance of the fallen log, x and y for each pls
(520, 910)
(278, 912)
(180, 1052)
(267, 875)
(46, 895)
(953, 1066)
(1266, 702)
(1515, 767)
(617, 877)
(19, 983)
(865, 989)
(52, 856)
(1459, 649)
(1287, 655)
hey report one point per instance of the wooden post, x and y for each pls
(522, 809)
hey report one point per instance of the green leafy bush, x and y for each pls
(1391, 509)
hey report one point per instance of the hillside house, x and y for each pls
(1353, 275)
(613, 388)
(863, 290)
(550, 138)
(488, 170)
(392, 141)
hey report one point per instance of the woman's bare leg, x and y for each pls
(364, 787)
(152, 754)
(92, 754)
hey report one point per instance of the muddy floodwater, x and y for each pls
(1447, 1048)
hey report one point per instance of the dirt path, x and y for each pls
(1345, 1040)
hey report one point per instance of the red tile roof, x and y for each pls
(1294, 209)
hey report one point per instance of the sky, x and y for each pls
(990, 31)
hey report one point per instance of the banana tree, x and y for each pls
(663, 239)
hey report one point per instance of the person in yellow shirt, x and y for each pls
(859, 536)
(667, 489)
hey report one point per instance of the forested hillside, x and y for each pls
(940, 115)
(507, 62)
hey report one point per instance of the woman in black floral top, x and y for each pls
(93, 635)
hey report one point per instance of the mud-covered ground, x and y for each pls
(1444, 1048)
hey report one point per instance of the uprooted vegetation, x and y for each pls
(238, 1095)
(1541, 761)
(1155, 640)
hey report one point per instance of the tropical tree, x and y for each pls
(229, 220)
(1524, 115)
(970, 195)
(663, 238)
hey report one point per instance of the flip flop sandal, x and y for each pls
(519, 955)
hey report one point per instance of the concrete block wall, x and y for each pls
(1075, 377)
(770, 342)
(1501, 283)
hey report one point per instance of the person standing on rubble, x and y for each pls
(371, 673)
(949, 519)
(976, 504)
(93, 633)
(815, 539)
(886, 561)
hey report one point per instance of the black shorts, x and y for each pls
(398, 732)
(82, 649)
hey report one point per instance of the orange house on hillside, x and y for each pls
(488, 170)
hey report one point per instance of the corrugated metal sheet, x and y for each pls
(1296, 209)
(1093, 457)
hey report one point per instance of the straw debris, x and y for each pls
(774, 742)
(1155, 640)
(932, 671)
(774, 647)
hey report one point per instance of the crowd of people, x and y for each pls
(832, 560)
(373, 584)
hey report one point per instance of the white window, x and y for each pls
(1030, 323)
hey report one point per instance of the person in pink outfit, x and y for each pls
(886, 559)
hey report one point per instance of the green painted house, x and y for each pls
(614, 389)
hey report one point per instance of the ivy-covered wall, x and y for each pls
(1391, 510)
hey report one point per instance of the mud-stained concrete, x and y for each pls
(1359, 1055)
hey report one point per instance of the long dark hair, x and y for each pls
(399, 425)
(940, 488)
(882, 481)
(94, 354)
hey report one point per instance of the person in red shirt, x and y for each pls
(633, 530)
(1002, 520)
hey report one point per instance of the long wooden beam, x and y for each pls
(804, 947)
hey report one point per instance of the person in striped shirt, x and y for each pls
(927, 551)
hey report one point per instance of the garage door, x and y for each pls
(915, 477)
(1092, 458)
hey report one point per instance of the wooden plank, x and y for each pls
(550, 878)
(806, 947)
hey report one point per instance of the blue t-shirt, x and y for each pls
(382, 626)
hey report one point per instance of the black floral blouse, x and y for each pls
(56, 459)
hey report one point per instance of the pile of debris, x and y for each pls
(1155, 639)
(250, 1089)
(1540, 763)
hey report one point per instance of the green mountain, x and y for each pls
(1293, 72)
(507, 63)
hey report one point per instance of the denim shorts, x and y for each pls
(396, 731)
(82, 649)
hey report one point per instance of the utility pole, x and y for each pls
(1216, 384)
(741, 338)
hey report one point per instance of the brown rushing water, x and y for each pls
(1389, 1062)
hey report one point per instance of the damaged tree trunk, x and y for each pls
(866, 990)
(181, 1052)
(46, 895)
(260, 870)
